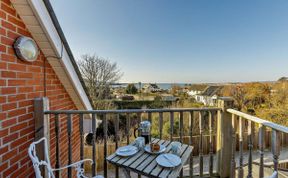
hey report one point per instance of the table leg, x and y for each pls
(126, 172)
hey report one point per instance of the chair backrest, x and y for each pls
(36, 162)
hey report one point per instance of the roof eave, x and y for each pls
(52, 42)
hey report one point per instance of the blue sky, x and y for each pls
(181, 41)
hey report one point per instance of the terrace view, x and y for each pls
(188, 89)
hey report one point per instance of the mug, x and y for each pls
(176, 148)
(140, 142)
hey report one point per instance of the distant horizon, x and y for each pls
(198, 82)
(188, 41)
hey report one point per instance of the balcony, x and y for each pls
(227, 143)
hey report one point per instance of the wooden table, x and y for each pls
(145, 164)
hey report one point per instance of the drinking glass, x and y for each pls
(176, 148)
(140, 143)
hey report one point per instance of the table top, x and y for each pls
(145, 164)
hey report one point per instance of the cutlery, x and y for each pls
(170, 161)
(127, 149)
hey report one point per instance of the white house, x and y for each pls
(209, 95)
(150, 87)
(193, 93)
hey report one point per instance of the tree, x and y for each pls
(98, 73)
(131, 89)
(258, 95)
(283, 79)
(239, 93)
(175, 89)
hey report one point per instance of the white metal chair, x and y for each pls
(47, 165)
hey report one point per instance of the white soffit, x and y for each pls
(39, 23)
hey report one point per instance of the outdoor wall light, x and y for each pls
(26, 49)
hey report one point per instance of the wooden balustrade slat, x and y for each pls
(139, 132)
(275, 148)
(191, 119)
(139, 115)
(69, 132)
(181, 126)
(240, 169)
(127, 131)
(171, 125)
(250, 147)
(127, 128)
(94, 165)
(211, 125)
(105, 143)
(261, 149)
(201, 120)
(233, 163)
(181, 135)
(160, 124)
(150, 117)
(57, 134)
(117, 136)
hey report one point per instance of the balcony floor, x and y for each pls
(267, 171)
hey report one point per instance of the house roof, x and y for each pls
(66, 45)
(211, 90)
(41, 21)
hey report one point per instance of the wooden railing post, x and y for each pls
(42, 127)
(224, 137)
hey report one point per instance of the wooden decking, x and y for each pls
(267, 172)
(268, 161)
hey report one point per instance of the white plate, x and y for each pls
(168, 160)
(147, 148)
(127, 150)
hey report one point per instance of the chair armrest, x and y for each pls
(79, 169)
(76, 164)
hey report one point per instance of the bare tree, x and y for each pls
(98, 73)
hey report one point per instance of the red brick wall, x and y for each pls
(20, 83)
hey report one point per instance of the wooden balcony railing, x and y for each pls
(102, 115)
(263, 125)
(223, 115)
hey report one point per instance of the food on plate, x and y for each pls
(155, 147)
